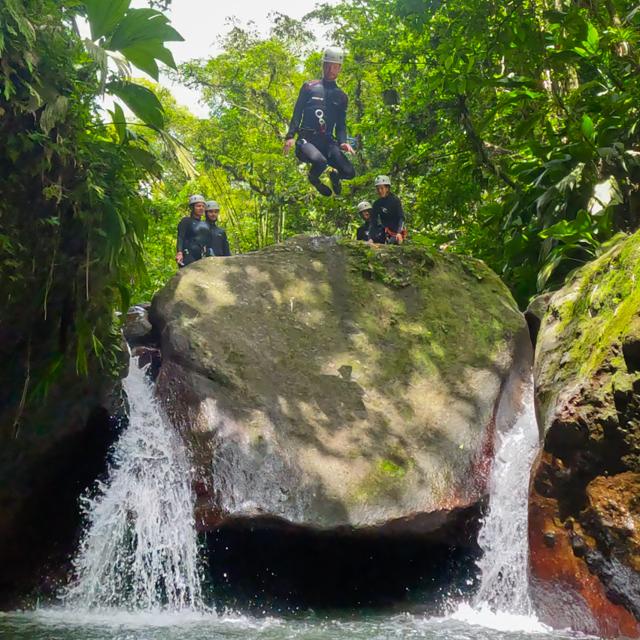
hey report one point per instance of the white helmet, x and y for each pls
(383, 180)
(195, 198)
(212, 205)
(364, 206)
(333, 54)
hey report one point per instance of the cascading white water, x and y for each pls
(139, 550)
(503, 537)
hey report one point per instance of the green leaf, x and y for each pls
(632, 14)
(593, 39)
(525, 127)
(141, 37)
(572, 231)
(104, 15)
(18, 12)
(180, 154)
(144, 55)
(142, 101)
(407, 8)
(143, 25)
(548, 268)
(143, 60)
(119, 122)
(546, 199)
(54, 112)
(588, 128)
(113, 224)
(565, 56)
(145, 159)
(125, 297)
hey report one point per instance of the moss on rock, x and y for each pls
(587, 377)
(338, 383)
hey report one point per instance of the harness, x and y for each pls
(316, 111)
(393, 234)
(196, 239)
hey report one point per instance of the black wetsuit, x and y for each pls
(194, 239)
(371, 230)
(218, 243)
(320, 121)
(390, 213)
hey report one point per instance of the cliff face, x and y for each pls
(45, 465)
(333, 384)
(585, 505)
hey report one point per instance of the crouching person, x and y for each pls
(370, 230)
(218, 243)
(388, 209)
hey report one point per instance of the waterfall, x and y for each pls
(504, 584)
(139, 549)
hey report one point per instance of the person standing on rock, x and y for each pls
(218, 243)
(320, 123)
(193, 233)
(388, 209)
(370, 230)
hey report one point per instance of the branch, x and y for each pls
(240, 178)
(259, 116)
(254, 187)
(479, 146)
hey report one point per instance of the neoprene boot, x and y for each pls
(335, 182)
(322, 188)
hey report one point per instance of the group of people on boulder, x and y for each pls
(383, 221)
(199, 234)
(318, 130)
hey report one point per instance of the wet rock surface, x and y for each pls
(337, 385)
(585, 484)
(137, 328)
(534, 314)
(59, 453)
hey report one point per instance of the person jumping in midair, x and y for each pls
(320, 122)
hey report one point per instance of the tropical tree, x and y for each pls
(73, 206)
(513, 124)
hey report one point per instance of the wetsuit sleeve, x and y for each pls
(376, 211)
(182, 234)
(226, 251)
(294, 125)
(341, 121)
(397, 213)
(376, 232)
(360, 233)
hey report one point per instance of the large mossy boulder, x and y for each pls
(585, 505)
(335, 384)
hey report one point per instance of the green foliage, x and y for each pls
(507, 119)
(509, 129)
(140, 100)
(73, 212)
